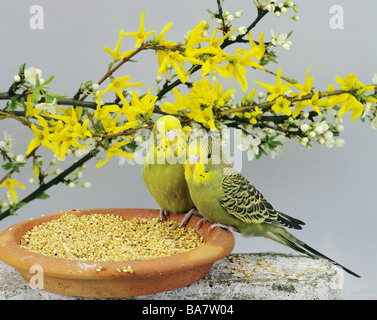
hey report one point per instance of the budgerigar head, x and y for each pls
(204, 152)
(167, 127)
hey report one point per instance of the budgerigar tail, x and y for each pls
(284, 237)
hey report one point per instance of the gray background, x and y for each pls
(332, 190)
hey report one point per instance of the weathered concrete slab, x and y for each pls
(258, 276)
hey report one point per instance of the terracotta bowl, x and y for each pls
(80, 278)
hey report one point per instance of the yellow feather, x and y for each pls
(163, 169)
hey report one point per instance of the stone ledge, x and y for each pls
(260, 276)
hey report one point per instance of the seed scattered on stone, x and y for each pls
(106, 237)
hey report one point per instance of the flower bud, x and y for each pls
(339, 128)
(270, 8)
(95, 87)
(339, 143)
(232, 37)
(328, 135)
(16, 78)
(242, 30)
(289, 3)
(260, 95)
(311, 134)
(20, 158)
(230, 18)
(87, 185)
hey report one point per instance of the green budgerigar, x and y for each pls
(226, 198)
(163, 168)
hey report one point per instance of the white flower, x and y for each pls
(250, 144)
(278, 38)
(338, 120)
(368, 106)
(31, 75)
(7, 144)
(16, 78)
(339, 128)
(304, 127)
(339, 143)
(286, 45)
(330, 143)
(374, 78)
(72, 185)
(328, 135)
(321, 127)
(283, 10)
(50, 108)
(277, 13)
(373, 123)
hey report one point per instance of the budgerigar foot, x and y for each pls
(164, 215)
(200, 223)
(185, 220)
(230, 228)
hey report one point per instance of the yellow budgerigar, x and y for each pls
(163, 168)
(227, 199)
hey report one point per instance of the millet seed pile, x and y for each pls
(105, 237)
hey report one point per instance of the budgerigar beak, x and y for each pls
(171, 135)
(193, 160)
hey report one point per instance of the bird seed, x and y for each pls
(105, 237)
